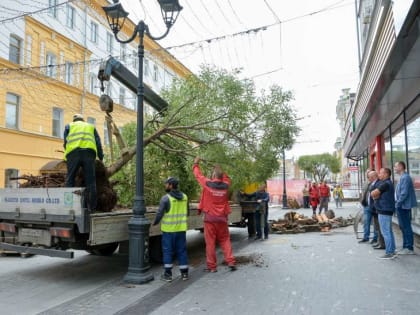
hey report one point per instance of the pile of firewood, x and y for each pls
(294, 222)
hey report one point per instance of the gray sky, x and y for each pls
(310, 48)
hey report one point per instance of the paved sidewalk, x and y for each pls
(309, 273)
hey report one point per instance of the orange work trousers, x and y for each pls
(217, 232)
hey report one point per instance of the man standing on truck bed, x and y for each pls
(214, 202)
(173, 215)
(81, 146)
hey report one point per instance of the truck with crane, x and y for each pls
(51, 221)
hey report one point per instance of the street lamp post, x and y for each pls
(139, 225)
(284, 182)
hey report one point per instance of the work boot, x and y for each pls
(166, 277)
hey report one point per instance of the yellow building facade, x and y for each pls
(38, 98)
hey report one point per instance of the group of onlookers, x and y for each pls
(314, 195)
(380, 202)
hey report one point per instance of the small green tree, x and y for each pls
(319, 165)
(218, 117)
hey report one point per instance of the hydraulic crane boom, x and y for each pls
(115, 68)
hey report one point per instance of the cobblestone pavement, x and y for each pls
(309, 273)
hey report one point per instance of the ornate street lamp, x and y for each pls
(139, 225)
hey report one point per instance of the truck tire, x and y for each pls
(103, 250)
(155, 249)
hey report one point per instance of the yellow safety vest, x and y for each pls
(81, 135)
(175, 220)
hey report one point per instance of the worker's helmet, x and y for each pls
(77, 117)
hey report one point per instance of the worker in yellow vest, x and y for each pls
(81, 147)
(172, 215)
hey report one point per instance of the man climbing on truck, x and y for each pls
(172, 215)
(82, 145)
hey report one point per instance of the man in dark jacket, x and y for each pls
(377, 235)
(214, 202)
(261, 211)
(81, 147)
(172, 216)
(385, 206)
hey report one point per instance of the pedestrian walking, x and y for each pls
(405, 200)
(385, 206)
(338, 196)
(214, 202)
(261, 211)
(324, 196)
(314, 197)
(172, 216)
(82, 145)
(378, 239)
(367, 214)
(305, 193)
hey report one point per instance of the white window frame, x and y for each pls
(109, 42)
(60, 132)
(70, 16)
(17, 45)
(15, 105)
(94, 32)
(122, 96)
(92, 83)
(91, 120)
(106, 138)
(51, 65)
(123, 52)
(69, 76)
(52, 8)
(8, 173)
(155, 73)
(146, 67)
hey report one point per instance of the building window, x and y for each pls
(109, 42)
(69, 73)
(123, 52)
(135, 60)
(92, 83)
(12, 110)
(57, 122)
(93, 32)
(146, 67)
(91, 120)
(122, 96)
(52, 8)
(51, 65)
(106, 135)
(70, 16)
(398, 142)
(15, 49)
(9, 175)
(155, 73)
(109, 89)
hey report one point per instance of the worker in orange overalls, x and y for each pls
(214, 202)
(314, 197)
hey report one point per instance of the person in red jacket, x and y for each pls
(324, 194)
(214, 202)
(314, 197)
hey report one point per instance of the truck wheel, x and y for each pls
(103, 250)
(155, 249)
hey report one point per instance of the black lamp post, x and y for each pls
(284, 182)
(139, 225)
